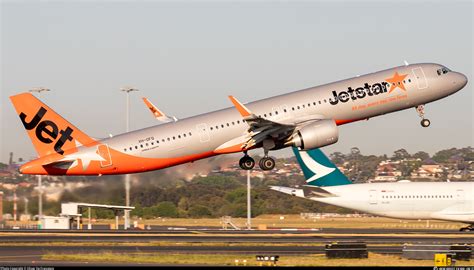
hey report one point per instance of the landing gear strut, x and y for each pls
(420, 109)
(246, 163)
(468, 228)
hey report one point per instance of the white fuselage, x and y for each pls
(451, 201)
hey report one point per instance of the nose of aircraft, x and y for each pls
(460, 80)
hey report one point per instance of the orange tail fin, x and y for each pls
(49, 132)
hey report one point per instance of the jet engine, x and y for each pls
(315, 135)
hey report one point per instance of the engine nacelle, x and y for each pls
(316, 135)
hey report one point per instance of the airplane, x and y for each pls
(447, 201)
(306, 119)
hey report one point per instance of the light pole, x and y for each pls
(127, 176)
(249, 207)
(40, 187)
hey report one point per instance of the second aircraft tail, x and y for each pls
(318, 169)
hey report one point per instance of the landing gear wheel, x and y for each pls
(246, 163)
(267, 163)
(420, 109)
(425, 123)
(467, 229)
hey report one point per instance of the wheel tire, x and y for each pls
(425, 123)
(266, 163)
(246, 163)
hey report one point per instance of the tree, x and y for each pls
(165, 209)
(400, 154)
(199, 211)
(337, 157)
(421, 155)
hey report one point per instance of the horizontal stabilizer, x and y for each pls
(287, 190)
(316, 192)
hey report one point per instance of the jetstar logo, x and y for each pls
(47, 131)
(369, 90)
(397, 81)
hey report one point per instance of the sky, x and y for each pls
(188, 56)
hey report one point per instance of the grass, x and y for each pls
(295, 221)
(227, 260)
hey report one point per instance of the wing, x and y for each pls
(159, 115)
(261, 128)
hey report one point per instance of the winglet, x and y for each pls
(156, 112)
(240, 107)
(159, 115)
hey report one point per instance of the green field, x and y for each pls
(296, 221)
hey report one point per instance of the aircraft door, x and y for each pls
(373, 199)
(104, 152)
(420, 78)
(203, 132)
(461, 199)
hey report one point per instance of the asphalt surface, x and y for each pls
(28, 247)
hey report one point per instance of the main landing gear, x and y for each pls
(420, 109)
(266, 163)
(468, 228)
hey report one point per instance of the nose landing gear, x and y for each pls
(420, 109)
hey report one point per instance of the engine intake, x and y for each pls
(316, 135)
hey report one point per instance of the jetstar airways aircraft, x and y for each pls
(306, 119)
(450, 201)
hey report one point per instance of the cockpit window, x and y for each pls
(443, 70)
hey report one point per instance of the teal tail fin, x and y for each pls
(318, 169)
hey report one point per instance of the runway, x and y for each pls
(28, 247)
